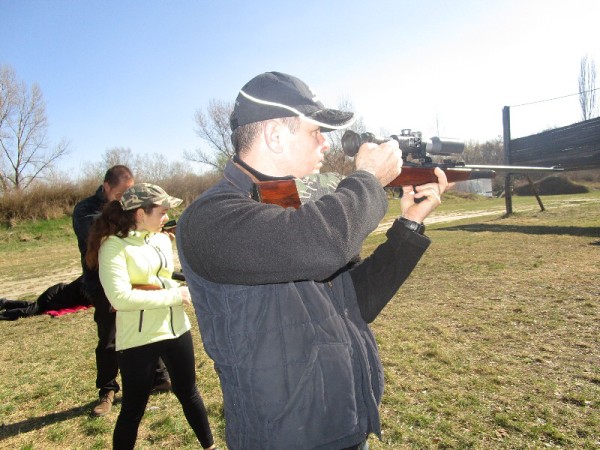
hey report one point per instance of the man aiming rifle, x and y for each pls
(282, 302)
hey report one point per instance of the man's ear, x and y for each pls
(273, 134)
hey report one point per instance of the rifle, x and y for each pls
(152, 287)
(417, 166)
(146, 287)
(170, 226)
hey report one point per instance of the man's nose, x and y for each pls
(324, 143)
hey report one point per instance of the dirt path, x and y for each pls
(34, 286)
(450, 217)
(16, 289)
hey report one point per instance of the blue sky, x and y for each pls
(133, 73)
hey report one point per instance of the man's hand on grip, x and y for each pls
(384, 161)
(429, 194)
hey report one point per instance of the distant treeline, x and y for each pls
(44, 201)
(54, 198)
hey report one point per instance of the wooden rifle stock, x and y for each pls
(416, 176)
(141, 287)
(284, 192)
(278, 192)
(152, 287)
(146, 287)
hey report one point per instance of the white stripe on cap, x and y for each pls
(295, 111)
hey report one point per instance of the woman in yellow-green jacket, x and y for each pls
(135, 262)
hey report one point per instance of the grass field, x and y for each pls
(493, 343)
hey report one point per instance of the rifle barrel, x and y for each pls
(515, 169)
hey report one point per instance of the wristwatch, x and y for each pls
(412, 225)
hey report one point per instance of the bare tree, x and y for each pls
(155, 169)
(23, 140)
(587, 88)
(213, 128)
(118, 155)
(111, 157)
(488, 152)
(335, 159)
(149, 168)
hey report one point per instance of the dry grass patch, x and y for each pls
(492, 343)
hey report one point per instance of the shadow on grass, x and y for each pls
(593, 232)
(36, 423)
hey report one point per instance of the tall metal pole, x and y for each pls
(507, 159)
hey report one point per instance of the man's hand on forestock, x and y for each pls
(383, 161)
(429, 194)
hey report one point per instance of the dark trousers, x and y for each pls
(137, 373)
(57, 296)
(15, 309)
(107, 368)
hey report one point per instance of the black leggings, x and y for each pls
(137, 366)
(107, 368)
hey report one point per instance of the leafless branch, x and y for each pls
(24, 153)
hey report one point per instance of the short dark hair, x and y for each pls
(117, 175)
(243, 136)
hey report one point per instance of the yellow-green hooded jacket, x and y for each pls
(143, 316)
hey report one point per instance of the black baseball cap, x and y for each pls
(273, 95)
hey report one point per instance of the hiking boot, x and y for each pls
(104, 405)
(165, 386)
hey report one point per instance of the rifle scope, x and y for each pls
(409, 142)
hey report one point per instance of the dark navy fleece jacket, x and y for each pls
(284, 313)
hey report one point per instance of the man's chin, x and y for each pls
(316, 170)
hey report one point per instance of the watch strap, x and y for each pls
(412, 225)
